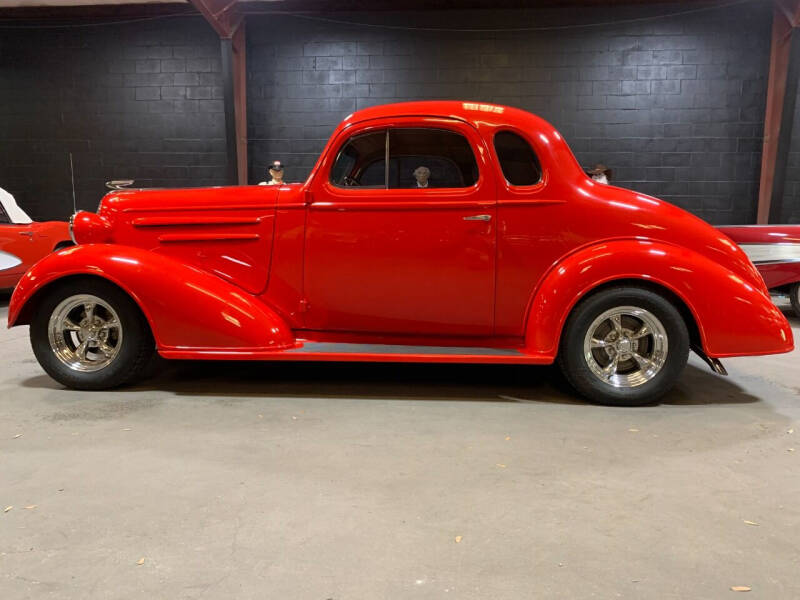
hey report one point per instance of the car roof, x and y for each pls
(464, 110)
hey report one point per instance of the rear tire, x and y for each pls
(90, 335)
(794, 296)
(624, 346)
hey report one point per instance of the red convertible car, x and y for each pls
(427, 231)
(23, 241)
(775, 251)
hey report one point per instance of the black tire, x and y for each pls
(794, 296)
(574, 364)
(136, 347)
(62, 245)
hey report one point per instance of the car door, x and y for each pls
(383, 255)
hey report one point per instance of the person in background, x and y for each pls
(600, 173)
(275, 173)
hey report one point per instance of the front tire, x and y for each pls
(62, 245)
(794, 296)
(90, 335)
(624, 346)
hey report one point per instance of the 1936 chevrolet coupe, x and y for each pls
(506, 252)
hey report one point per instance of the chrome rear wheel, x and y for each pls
(626, 346)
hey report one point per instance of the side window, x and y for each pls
(4, 219)
(374, 174)
(430, 158)
(361, 161)
(517, 159)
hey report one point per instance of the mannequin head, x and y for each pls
(422, 174)
(276, 171)
(600, 173)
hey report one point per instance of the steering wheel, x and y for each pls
(350, 182)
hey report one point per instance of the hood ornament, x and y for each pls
(119, 184)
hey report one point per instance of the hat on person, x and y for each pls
(276, 166)
(600, 168)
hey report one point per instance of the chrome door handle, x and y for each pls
(28, 233)
(478, 218)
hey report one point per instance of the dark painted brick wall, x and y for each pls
(675, 106)
(138, 101)
(790, 207)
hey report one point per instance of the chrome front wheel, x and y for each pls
(626, 346)
(89, 334)
(85, 333)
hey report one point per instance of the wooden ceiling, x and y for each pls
(102, 9)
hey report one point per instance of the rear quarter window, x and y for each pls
(518, 161)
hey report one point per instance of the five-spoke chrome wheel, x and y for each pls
(625, 346)
(85, 333)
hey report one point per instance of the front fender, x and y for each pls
(187, 308)
(734, 317)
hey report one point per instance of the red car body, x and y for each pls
(23, 242)
(486, 273)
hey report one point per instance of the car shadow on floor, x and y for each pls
(400, 381)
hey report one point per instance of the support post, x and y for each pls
(240, 100)
(784, 67)
(228, 89)
(223, 16)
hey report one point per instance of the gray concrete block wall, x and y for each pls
(675, 106)
(140, 101)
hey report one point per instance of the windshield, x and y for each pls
(15, 214)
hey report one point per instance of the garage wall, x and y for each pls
(675, 106)
(790, 206)
(140, 101)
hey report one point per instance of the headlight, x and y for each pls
(89, 228)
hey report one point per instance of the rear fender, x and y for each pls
(186, 308)
(733, 316)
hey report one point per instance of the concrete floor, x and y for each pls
(329, 481)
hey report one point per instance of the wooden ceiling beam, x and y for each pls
(223, 15)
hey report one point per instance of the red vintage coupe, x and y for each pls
(775, 251)
(427, 231)
(23, 241)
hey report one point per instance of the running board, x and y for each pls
(335, 351)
